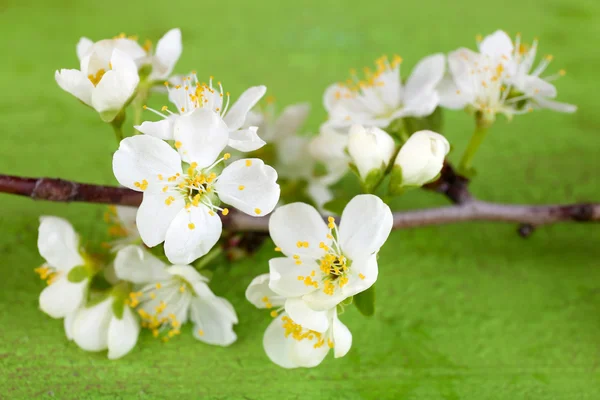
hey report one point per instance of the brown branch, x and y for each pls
(467, 209)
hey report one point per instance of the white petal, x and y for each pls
(122, 334)
(421, 105)
(203, 135)
(76, 83)
(68, 324)
(259, 289)
(460, 63)
(298, 222)
(136, 265)
(450, 96)
(144, 157)
(245, 139)
(83, 46)
(168, 51)
(116, 86)
(304, 315)
(536, 86)
(371, 149)
(304, 353)
(319, 193)
(90, 328)
(193, 277)
(368, 268)
(425, 76)
(284, 276)
(291, 119)
(555, 105)
(279, 348)
(58, 243)
(160, 129)
(213, 320)
(321, 301)
(184, 245)
(497, 44)
(422, 157)
(342, 338)
(236, 116)
(62, 297)
(155, 216)
(260, 191)
(365, 226)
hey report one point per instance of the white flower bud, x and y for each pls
(370, 149)
(422, 157)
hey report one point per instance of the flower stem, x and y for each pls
(117, 125)
(481, 129)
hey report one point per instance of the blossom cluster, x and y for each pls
(206, 155)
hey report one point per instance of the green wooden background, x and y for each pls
(467, 311)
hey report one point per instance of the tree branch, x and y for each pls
(466, 209)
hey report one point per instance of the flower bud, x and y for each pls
(371, 150)
(420, 159)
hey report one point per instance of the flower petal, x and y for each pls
(68, 324)
(365, 226)
(245, 139)
(168, 51)
(83, 46)
(421, 158)
(116, 86)
(278, 347)
(236, 116)
(307, 317)
(58, 243)
(250, 186)
(305, 354)
(291, 119)
(425, 76)
(342, 338)
(62, 297)
(155, 215)
(420, 105)
(298, 222)
(536, 86)
(497, 44)
(192, 234)
(363, 275)
(203, 135)
(259, 294)
(285, 275)
(213, 319)
(90, 327)
(76, 83)
(144, 157)
(450, 96)
(136, 265)
(161, 129)
(554, 105)
(122, 334)
(321, 301)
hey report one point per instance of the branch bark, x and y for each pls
(467, 208)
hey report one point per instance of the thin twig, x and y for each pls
(468, 209)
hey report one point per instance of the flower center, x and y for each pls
(158, 306)
(96, 78)
(298, 333)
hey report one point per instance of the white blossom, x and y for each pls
(421, 158)
(162, 60)
(324, 265)
(289, 344)
(166, 297)
(179, 204)
(381, 97)
(329, 148)
(97, 328)
(498, 79)
(58, 243)
(106, 81)
(192, 99)
(371, 149)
